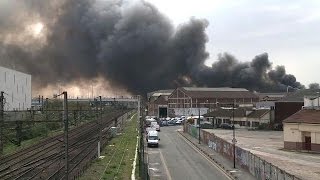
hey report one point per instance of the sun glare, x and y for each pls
(36, 29)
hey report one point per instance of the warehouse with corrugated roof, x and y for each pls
(186, 101)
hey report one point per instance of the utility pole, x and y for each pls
(100, 128)
(234, 138)
(47, 107)
(139, 106)
(66, 131)
(199, 125)
(1, 121)
(41, 104)
(18, 132)
(78, 113)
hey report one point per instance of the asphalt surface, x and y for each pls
(175, 159)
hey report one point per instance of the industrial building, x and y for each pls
(187, 101)
(158, 103)
(17, 89)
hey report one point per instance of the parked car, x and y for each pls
(153, 138)
(179, 122)
(156, 127)
(226, 126)
(164, 123)
(171, 122)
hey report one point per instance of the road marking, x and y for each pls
(165, 166)
(207, 158)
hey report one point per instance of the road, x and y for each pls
(175, 159)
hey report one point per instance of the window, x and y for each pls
(255, 124)
(14, 79)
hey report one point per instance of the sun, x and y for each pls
(36, 29)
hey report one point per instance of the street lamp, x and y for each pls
(199, 125)
(234, 141)
(234, 138)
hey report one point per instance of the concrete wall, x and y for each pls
(311, 102)
(186, 111)
(265, 104)
(294, 133)
(258, 167)
(17, 88)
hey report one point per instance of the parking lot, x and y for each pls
(269, 146)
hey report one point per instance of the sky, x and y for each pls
(288, 30)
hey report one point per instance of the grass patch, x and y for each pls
(11, 148)
(119, 156)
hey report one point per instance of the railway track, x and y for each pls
(45, 160)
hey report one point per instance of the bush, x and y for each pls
(53, 126)
(264, 126)
(35, 131)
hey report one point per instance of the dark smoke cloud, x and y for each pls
(132, 45)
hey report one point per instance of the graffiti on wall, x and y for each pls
(258, 167)
(242, 157)
(212, 145)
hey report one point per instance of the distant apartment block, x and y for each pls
(17, 89)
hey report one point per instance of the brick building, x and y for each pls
(291, 104)
(190, 100)
(158, 103)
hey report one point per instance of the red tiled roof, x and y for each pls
(310, 116)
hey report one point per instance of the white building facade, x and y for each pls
(17, 89)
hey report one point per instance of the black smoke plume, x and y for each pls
(130, 44)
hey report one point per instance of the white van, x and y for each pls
(153, 138)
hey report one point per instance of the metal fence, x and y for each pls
(143, 164)
(258, 167)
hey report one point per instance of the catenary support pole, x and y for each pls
(234, 138)
(66, 131)
(1, 121)
(100, 128)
